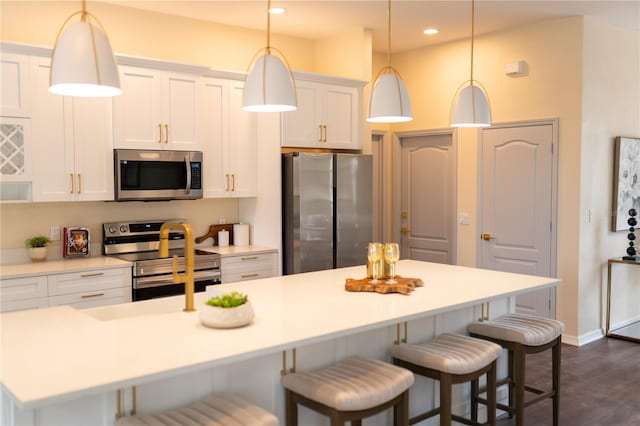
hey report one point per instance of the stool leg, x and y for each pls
(519, 378)
(356, 422)
(555, 353)
(491, 394)
(401, 411)
(445, 399)
(474, 399)
(291, 409)
(510, 362)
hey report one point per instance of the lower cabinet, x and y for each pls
(249, 266)
(85, 289)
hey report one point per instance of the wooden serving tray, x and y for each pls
(404, 285)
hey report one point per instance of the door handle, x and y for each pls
(226, 186)
(166, 133)
(233, 181)
(73, 183)
(404, 229)
(487, 237)
(79, 183)
(159, 132)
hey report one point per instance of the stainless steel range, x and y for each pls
(138, 242)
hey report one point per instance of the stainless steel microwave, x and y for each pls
(147, 175)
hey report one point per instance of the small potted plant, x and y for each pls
(227, 310)
(37, 247)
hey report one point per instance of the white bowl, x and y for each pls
(216, 317)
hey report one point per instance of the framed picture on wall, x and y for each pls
(626, 181)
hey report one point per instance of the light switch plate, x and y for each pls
(55, 233)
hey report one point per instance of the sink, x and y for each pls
(166, 305)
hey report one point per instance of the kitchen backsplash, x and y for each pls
(20, 221)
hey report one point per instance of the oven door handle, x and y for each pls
(158, 281)
(188, 164)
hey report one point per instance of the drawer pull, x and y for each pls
(249, 258)
(94, 274)
(87, 296)
(249, 275)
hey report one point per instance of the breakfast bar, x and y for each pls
(63, 365)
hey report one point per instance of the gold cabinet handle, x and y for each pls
(233, 181)
(320, 137)
(73, 183)
(87, 296)
(166, 133)
(249, 258)
(226, 184)
(248, 275)
(487, 237)
(93, 274)
(404, 229)
(79, 183)
(324, 139)
(159, 132)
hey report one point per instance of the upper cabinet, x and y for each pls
(72, 143)
(157, 110)
(14, 80)
(230, 140)
(329, 115)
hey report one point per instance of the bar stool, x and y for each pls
(521, 335)
(351, 390)
(452, 359)
(220, 409)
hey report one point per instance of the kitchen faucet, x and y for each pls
(187, 277)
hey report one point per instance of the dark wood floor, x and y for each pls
(599, 385)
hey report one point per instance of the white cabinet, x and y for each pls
(97, 287)
(73, 143)
(23, 293)
(157, 110)
(14, 80)
(249, 266)
(230, 135)
(328, 116)
(90, 288)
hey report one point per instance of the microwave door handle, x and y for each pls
(188, 164)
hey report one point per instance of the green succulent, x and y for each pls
(38, 241)
(228, 300)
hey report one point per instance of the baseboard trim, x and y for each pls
(583, 339)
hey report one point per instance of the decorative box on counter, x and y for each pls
(76, 242)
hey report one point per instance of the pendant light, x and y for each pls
(470, 106)
(269, 86)
(82, 62)
(389, 101)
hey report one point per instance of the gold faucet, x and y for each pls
(187, 277)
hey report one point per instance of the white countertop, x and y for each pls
(58, 354)
(60, 266)
(237, 250)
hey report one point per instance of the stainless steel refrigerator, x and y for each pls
(327, 210)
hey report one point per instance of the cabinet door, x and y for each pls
(302, 127)
(341, 117)
(138, 111)
(14, 80)
(23, 293)
(241, 145)
(53, 170)
(16, 149)
(213, 119)
(180, 95)
(93, 148)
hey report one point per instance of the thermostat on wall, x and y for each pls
(515, 68)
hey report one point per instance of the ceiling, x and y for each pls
(318, 19)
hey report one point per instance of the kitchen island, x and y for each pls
(62, 365)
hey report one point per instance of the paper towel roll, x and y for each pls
(241, 234)
(223, 238)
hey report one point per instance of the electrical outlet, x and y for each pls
(55, 233)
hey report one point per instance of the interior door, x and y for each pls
(427, 216)
(517, 207)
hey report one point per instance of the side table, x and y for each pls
(633, 328)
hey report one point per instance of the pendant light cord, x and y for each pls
(473, 12)
(389, 33)
(268, 27)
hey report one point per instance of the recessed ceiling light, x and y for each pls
(431, 31)
(277, 10)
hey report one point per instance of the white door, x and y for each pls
(241, 147)
(214, 123)
(427, 216)
(180, 97)
(341, 117)
(517, 207)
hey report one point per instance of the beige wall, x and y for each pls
(610, 107)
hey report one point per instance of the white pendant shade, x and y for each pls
(389, 100)
(269, 86)
(79, 70)
(470, 108)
